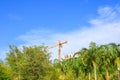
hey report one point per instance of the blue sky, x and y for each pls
(32, 22)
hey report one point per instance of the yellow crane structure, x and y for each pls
(59, 45)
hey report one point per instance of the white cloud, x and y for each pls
(105, 28)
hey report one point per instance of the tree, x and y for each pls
(5, 72)
(93, 57)
(29, 63)
(32, 63)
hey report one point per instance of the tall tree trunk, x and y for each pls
(107, 75)
(95, 72)
(118, 75)
(89, 75)
(94, 65)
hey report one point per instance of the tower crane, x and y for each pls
(59, 45)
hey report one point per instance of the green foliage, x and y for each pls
(32, 63)
(29, 63)
(5, 72)
(93, 62)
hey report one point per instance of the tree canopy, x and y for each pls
(97, 62)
